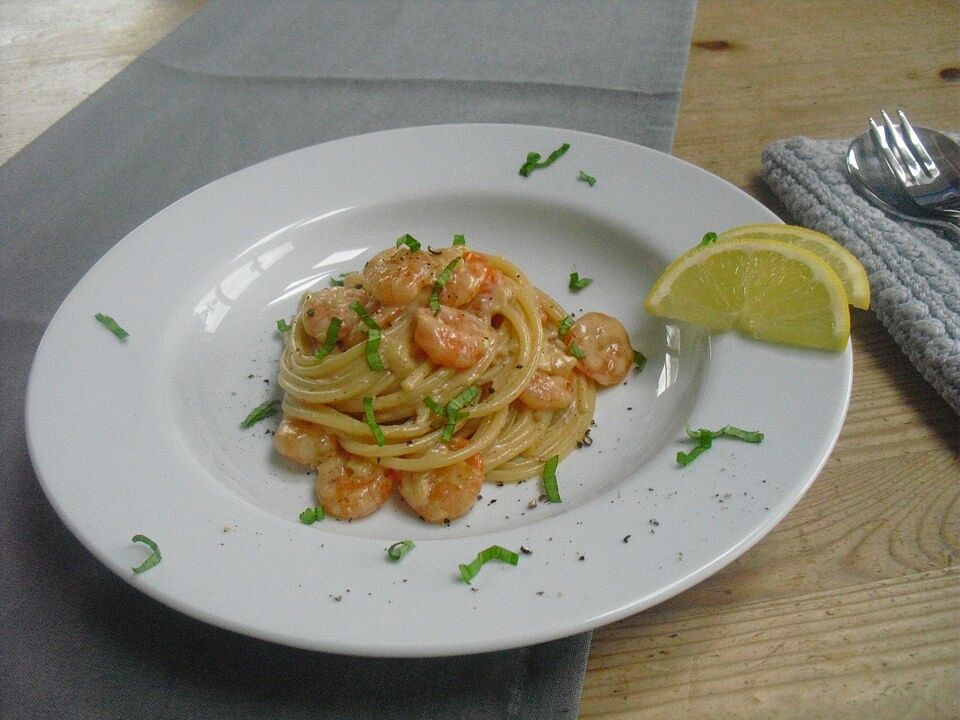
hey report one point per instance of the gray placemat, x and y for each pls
(914, 270)
(236, 84)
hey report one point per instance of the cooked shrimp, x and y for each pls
(444, 493)
(351, 487)
(452, 338)
(303, 442)
(320, 307)
(400, 276)
(472, 274)
(606, 346)
(548, 392)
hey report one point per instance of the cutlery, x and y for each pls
(870, 176)
(925, 163)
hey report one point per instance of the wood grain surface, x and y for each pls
(850, 608)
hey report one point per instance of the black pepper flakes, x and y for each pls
(525, 550)
(626, 539)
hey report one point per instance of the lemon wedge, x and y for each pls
(843, 262)
(766, 289)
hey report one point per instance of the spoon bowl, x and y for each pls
(871, 177)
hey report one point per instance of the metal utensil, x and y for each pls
(924, 162)
(871, 177)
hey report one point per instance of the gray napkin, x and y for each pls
(914, 271)
(236, 84)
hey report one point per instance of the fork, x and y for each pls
(916, 172)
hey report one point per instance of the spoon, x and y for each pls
(872, 178)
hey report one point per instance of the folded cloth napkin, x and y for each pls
(236, 84)
(914, 270)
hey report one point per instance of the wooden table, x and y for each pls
(851, 606)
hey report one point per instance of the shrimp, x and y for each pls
(548, 392)
(605, 345)
(443, 493)
(349, 486)
(319, 308)
(470, 276)
(303, 442)
(452, 338)
(400, 276)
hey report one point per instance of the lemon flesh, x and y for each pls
(766, 289)
(842, 261)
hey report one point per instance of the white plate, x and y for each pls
(143, 436)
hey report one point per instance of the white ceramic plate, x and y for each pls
(143, 436)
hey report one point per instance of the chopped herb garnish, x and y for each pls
(565, 325)
(588, 179)
(459, 240)
(410, 241)
(577, 282)
(453, 410)
(282, 325)
(312, 515)
(153, 559)
(434, 406)
(112, 325)
(442, 279)
(708, 239)
(331, 340)
(373, 337)
(372, 421)
(533, 160)
(264, 410)
(337, 281)
(577, 352)
(494, 552)
(706, 437)
(639, 360)
(399, 549)
(550, 479)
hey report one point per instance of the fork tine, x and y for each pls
(906, 154)
(883, 147)
(917, 145)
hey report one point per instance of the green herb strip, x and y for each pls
(410, 241)
(337, 281)
(459, 240)
(494, 552)
(112, 325)
(373, 337)
(577, 282)
(454, 408)
(331, 340)
(282, 325)
(434, 406)
(264, 410)
(153, 559)
(588, 179)
(372, 421)
(399, 549)
(533, 160)
(577, 352)
(442, 279)
(565, 325)
(312, 515)
(550, 479)
(709, 239)
(639, 360)
(706, 437)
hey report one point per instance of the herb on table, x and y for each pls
(459, 240)
(494, 552)
(153, 559)
(639, 360)
(312, 515)
(533, 160)
(588, 179)
(709, 239)
(550, 479)
(282, 326)
(112, 325)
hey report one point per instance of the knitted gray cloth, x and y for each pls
(914, 271)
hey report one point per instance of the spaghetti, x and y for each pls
(434, 371)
